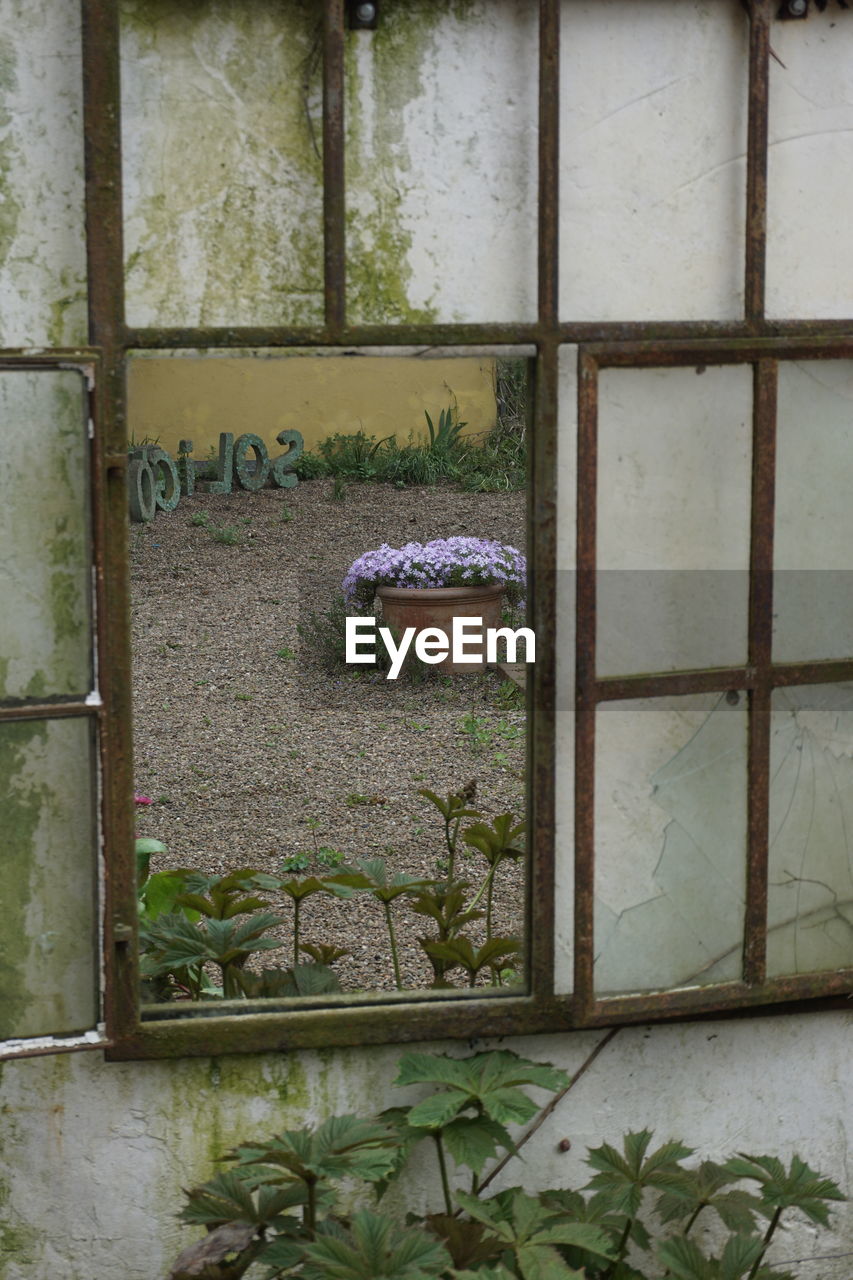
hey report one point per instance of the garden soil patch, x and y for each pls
(253, 751)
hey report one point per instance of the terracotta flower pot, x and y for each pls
(422, 607)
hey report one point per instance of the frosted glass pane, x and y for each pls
(46, 619)
(813, 588)
(670, 819)
(652, 173)
(42, 242)
(810, 894)
(48, 952)
(222, 129)
(442, 164)
(674, 462)
(810, 160)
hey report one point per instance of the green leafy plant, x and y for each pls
(279, 1203)
(228, 534)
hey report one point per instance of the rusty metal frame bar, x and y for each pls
(752, 339)
(756, 159)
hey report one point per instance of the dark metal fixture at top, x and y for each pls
(363, 15)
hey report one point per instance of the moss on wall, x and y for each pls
(222, 107)
(386, 70)
(21, 803)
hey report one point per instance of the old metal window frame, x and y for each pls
(753, 339)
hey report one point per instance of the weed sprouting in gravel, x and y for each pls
(228, 534)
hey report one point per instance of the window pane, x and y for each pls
(441, 182)
(46, 619)
(813, 599)
(670, 815)
(674, 462)
(809, 161)
(222, 128)
(42, 245)
(48, 969)
(653, 137)
(810, 898)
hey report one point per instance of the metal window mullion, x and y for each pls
(760, 657)
(585, 701)
(549, 162)
(542, 601)
(105, 268)
(756, 159)
(334, 203)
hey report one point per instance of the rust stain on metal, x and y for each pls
(756, 158)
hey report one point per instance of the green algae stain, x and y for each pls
(225, 223)
(21, 804)
(402, 55)
(10, 208)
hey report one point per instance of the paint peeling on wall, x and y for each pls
(222, 123)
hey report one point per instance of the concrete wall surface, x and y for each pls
(95, 1155)
(196, 398)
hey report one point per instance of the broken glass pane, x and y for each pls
(810, 894)
(674, 459)
(813, 585)
(48, 955)
(670, 816)
(46, 619)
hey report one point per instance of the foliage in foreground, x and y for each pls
(193, 925)
(279, 1202)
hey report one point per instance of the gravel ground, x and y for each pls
(253, 752)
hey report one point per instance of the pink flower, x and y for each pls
(138, 799)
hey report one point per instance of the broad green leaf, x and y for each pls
(438, 1110)
(538, 1262)
(342, 1146)
(799, 1187)
(685, 1260)
(375, 1249)
(472, 1141)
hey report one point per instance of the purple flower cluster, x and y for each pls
(445, 562)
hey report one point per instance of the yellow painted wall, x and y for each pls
(196, 397)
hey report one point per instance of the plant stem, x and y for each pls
(392, 939)
(489, 905)
(768, 1236)
(296, 906)
(311, 1208)
(484, 886)
(442, 1164)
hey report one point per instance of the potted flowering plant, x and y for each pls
(427, 585)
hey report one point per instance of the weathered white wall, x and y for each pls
(96, 1154)
(442, 126)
